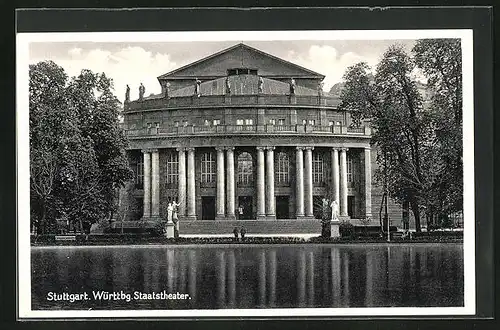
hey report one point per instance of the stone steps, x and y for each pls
(268, 227)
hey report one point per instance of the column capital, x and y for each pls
(344, 149)
(367, 148)
(181, 149)
(308, 148)
(335, 148)
(189, 148)
(220, 149)
(148, 151)
(299, 148)
(270, 148)
(229, 148)
(261, 148)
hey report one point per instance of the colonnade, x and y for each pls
(266, 203)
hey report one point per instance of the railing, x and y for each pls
(228, 100)
(245, 129)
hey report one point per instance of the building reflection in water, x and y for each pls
(193, 264)
(231, 279)
(310, 279)
(336, 276)
(170, 253)
(262, 278)
(301, 278)
(369, 289)
(221, 278)
(271, 275)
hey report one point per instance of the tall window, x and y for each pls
(208, 168)
(350, 177)
(318, 168)
(283, 168)
(172, 168)
(245, 170)
(139, 172)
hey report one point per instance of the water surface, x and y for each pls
(263, 276)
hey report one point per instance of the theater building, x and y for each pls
(242, 137)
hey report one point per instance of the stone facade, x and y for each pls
(271, 153)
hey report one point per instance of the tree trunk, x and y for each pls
(416, 213)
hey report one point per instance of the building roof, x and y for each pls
(241, 56)
(243, 85)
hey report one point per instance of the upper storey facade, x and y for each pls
(239, 91)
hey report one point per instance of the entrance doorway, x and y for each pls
(282, 207)
(207, 208)
(246, 203)
(350, 206)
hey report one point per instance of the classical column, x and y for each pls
(155, 184)
(261, 202)
(343, 182)
(299, 166)
(181, 192)
(335, 175)
(147, 184)
(230, 183)
(221, 196)
(308, 182)
(270, 212)
(191, 196)
(368, 182)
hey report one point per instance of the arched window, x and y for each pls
(172, 168)
(318, 168)
(208, 169)
(245, 168)
(283, 168)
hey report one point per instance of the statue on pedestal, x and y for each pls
(127, 94)
(228, 86)
(292, 86)
(261, 85)
(142, 90)
(197, 89)
(320, 88)
(335, 210)
(167, 89)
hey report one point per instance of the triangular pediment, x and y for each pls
(240, 56)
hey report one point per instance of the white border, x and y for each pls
(23, 224)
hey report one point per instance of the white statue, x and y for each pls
(170, 210)
(335, 210)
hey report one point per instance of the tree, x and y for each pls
(441, 62)
(77, 149)
(401, 126)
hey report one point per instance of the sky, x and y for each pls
(135, 62)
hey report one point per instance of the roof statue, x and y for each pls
(127, 94)
(197, 90)
(261, 85)
(292, 86)
(228, 86)
(142, 90)
(321, 85)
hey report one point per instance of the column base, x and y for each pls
(220, 217)
(191, 217)
(271, 217)
(230, 217)
(261, 217)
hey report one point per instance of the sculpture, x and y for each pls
(167, 89)
(261, 85)
(320, 88)
(335, 210)
(292, 86)
(197, 87)
(228, 86)
(142, 90)
(127, 94)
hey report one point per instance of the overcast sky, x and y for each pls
(133, 63)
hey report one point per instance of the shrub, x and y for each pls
(346, 229)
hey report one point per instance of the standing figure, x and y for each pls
(197, 90)
(175, 217)
(335, 211)
(228, 86)
(127, 94)
(292, 86)
(261, 85)
(170, 212)
(142, 90)
(167, 89)
(320, 88)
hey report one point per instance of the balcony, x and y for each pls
(190, 130)
(231, 100)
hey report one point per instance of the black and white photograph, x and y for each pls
(246, 173)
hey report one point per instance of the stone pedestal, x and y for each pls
(169, 230)
(334, 229)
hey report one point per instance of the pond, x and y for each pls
(240, 277)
